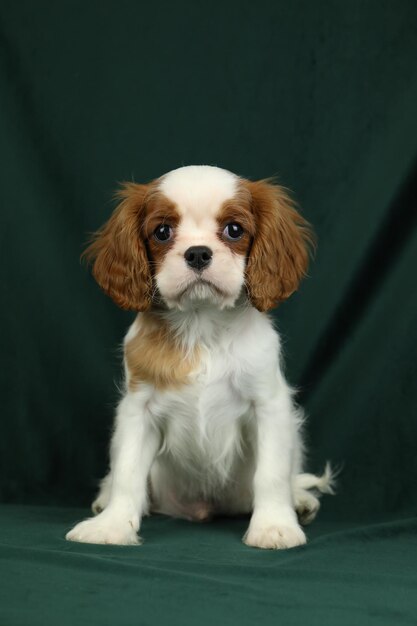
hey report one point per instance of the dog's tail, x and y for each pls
(325, 483)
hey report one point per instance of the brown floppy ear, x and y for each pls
(118, 253)
(279, 254)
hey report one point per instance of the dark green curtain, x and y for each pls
(323, 95)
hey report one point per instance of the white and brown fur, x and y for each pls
(207, 423)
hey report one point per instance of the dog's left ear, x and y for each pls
(279, 255)
(118, 252)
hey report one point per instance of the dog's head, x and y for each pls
(201, 233)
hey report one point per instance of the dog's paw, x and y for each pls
(99, 503)
(306, 506)
(276, 537)
(103, 496)
(105, 530)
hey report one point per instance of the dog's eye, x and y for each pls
(163, 232)
(233, 231)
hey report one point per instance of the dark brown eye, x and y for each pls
(163, 233)
(233, 231)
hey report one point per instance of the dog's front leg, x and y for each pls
(133, 448)
(274, 522)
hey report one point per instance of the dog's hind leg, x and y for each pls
(306, 503)
(103, 495)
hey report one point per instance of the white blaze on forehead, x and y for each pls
(199, 190)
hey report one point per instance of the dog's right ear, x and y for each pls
(279, 255)
(118, 252)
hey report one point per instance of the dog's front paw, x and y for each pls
(275, 537)
(104, 529)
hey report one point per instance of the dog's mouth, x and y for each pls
(201, 289)
(201, 285)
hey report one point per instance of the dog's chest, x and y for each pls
(201, 420)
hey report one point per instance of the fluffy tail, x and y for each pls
(324, 484)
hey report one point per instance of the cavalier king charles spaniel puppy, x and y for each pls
(207, 424)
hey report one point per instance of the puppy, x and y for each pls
(207, 424)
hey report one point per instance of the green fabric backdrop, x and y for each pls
(322, 94)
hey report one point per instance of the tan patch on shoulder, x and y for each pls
(154, 355)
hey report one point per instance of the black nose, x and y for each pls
(198, 257)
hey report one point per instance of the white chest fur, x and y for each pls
(202, 422)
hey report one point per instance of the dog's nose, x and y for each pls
(198, 257)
